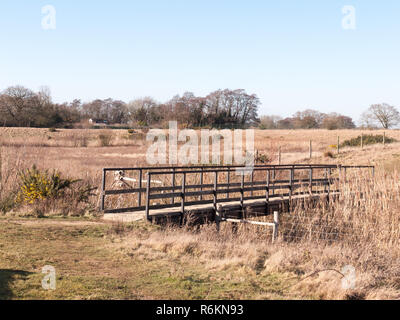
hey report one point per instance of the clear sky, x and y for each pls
(294, 54)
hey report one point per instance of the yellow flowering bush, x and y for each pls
(41, 185)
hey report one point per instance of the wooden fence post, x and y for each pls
(310, 149)
(279, 155)
(384, 138)
(276, 226)
(338, 145)
(362, 141)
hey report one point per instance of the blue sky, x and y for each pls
(293, 54)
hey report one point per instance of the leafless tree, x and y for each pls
(269, 122)
(384, 114)
(334, 121)
(143, 111)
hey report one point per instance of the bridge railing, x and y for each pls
(206, 189)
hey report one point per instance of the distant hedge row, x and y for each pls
(367, 140)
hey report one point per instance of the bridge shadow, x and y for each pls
(7, 276)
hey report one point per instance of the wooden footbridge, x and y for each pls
(202, 194)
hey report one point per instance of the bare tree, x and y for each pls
(308, 119)
(269, 122)
(144, 111)
(384, 114)
(333, 121)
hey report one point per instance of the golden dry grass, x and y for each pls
(361, 229)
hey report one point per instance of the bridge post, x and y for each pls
(173, 185)
(201, 182)
(252, 182)
(242, 193)
(228, 182)
(311, 180)
(103, 189)
(273, 181)
(140, 187)
(215, 199)
(291, 188)
(148, 196)
(329, 182)
(267, 192)
(183, 197)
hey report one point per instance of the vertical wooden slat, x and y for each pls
(252, 182)
(291, 187)
(183, 196)
(215, 199)
(311, 180)
(267, 188)
(273, 181)
(201, 182)
(103, 189)
(310, 149)
(228, 181)
(242, 192)
(173, 185)
(140, 187)
(215, 190)
(329, 182)
(148, 195)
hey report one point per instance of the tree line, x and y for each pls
(227, 108)
(378, 115)
(308, 119)
(22, 107)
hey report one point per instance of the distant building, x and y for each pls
(101, 122)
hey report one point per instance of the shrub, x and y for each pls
(262, 158)
(105, 140)
(40, 185)
(52, 130)
(367, 140)
(7, 203)
(46, 192)
(329, 154)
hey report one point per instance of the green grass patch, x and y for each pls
(95, 260)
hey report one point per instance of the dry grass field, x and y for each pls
(95, 259)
